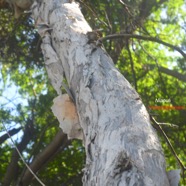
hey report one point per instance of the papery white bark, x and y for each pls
(174, 177)
(121, 146)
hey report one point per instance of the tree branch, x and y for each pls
(132, 66)
(167, 71)
(12, 169)
(145, 38)
(42, 158)
(10, 133)
(159, 128)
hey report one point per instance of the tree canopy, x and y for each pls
(145, 39)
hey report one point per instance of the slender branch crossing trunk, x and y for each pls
(121, 146)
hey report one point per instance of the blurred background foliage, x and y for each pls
(154, 70)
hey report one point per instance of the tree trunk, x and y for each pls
(121, 146)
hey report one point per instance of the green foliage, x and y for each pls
(27, 95)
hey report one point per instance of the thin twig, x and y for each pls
(132, 66)
(109, 24)
(159, 72)
(34, 175)
(146, 38)
(170, 125)
(157, 125)
(94, 13)
(126, 7)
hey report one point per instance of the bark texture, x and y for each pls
(121, 146)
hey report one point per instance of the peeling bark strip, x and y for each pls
(65, 111)
(121, 146)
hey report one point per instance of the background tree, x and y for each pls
(140, 61)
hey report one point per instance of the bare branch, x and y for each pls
(167, 71)
(132, 66)
(94, 13)
(41, 159)
(9, 133)
(146, 38)
(157, 125)
(15, 156)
